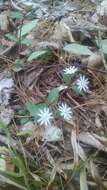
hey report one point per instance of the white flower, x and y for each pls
(65, 111)
(82, 83)
(70, 70)
(45, 116)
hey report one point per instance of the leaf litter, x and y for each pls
(39, 42)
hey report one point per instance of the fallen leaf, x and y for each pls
(6, 115)
(95, 61)
(98, 121)
(4, 23)
(52, 133)
(89, 139)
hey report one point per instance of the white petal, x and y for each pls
(70, 70)
(65, 111)
(82, 83)
(44, 116)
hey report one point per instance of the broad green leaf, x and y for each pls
(16, 14)
(34, 108)
(37, 54)
(103, 45)
(77, 91)
(18, 66)
(77, 49)
(26, 41)
(53, 95)
(28, 27)
(24, 120)
(66, 78)
(11, 37)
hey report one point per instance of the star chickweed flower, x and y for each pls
(65, 111)
(70, 70)
(82, 83)
(45, 116)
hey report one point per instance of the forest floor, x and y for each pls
(53, 95)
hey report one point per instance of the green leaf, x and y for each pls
(18, 66)
(77, 91)
(11, 37)
(24, 120)
(28, 27)
(26, 41)
(34, 108)
(66, 78)
(103, 45)
(77, 49)
(16, 14)
(37, 54)
(53, 95)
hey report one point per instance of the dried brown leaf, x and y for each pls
(89, 139)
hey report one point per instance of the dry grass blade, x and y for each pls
(11, 182)
(52, 176)
(83, 180)
(96, 176)
(35, 176)
(67, 166)
(49, 157)
(74, 145)
(81, 152)
(77, 149)
(101, 138)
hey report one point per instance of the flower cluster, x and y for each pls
(45, 115)
(82, 83)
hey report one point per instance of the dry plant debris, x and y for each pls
(53, 94)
